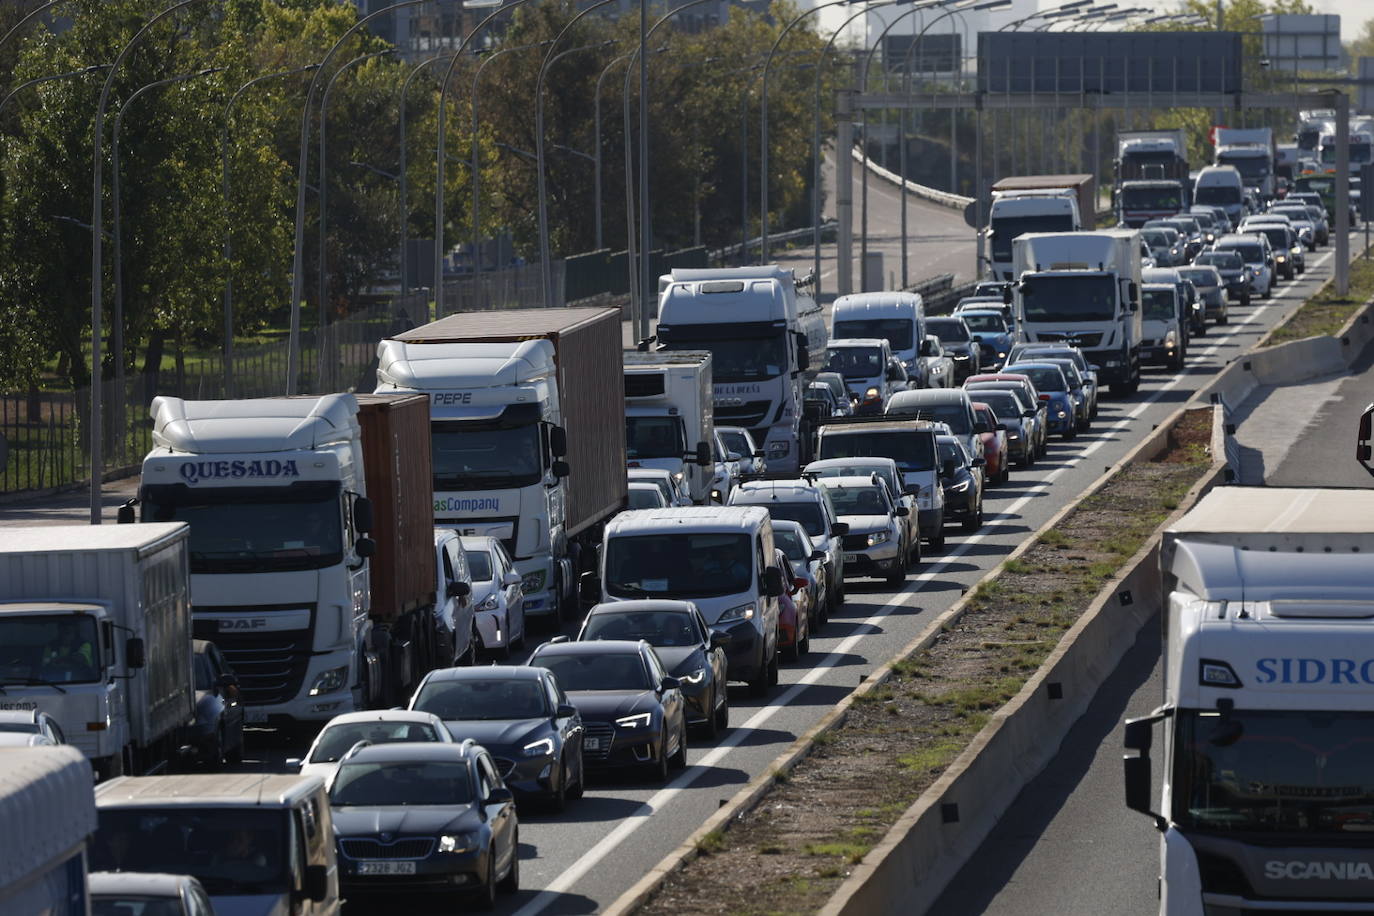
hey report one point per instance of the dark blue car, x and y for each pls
(1049, 380)
(989, 328)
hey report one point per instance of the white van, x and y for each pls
(720, 558)
(897, 317)
(869, 371)
(257, 842)
(1221, 186)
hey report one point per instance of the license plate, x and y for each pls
(386, 868)
(851, 558)
(254, 716)
(591, 744)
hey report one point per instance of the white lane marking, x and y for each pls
(640, 816)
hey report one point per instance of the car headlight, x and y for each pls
(1062, 415)
(1280, 259)
(458, 842)
(960, 356)
(638, 720)
(677, 476)
(870, 394)
(696, 677)
(541, 748)
(1013, 436)
(1001, 355)
(329, 681)
(1170, 339)
(877, 537)
(738, 612)
(489, 603)
(960, 487)
(533, 582)
(1113, 363)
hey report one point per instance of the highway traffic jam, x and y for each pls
(381, 575)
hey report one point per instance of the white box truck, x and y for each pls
(1268, 709)
(668, 418)
(766, 341)
(1036, 203)
(48, 808)
(95, 630)
(1083, 288)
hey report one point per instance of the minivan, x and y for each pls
(721, 558)
(1221, 186)
(869, 371)
(257, 842)
(899, 318)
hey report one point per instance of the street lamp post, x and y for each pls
(596, 174)
(97, 431)
(49, 78)
(403, 191)
(228, 230)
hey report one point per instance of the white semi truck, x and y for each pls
(527, 433)
(766, 341)
(668, 416)
(1268, 709)
(1252, 151)
(48, 807)
(1036, 203)
(1083, 288)
(95, 630)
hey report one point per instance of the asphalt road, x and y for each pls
(580, 861)
(1069, 845)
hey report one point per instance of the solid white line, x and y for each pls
(640, 816)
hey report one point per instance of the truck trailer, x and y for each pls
(668, 416)
(95, 630)
(527, 434)
(1268, 634)
(48, 807)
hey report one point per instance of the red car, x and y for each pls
(994, 436)
(794, 613)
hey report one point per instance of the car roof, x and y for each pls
(639, 605)
(850, 483)
(407, 751)
(1037, 363)
(786, 524)
(982, 311)
(141, 884)
(828, 463)
(648, 472)
(929, 396)
(997, 377)
(591, 647)
(777, 489)
(857, 342)
(381, 715)
(478, 542)
(732, 518)
(482, 672)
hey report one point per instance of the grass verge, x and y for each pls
(790, 853)
(1327, 312)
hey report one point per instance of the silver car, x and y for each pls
(875, 544)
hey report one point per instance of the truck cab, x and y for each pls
(1014, 214)
(897, 317)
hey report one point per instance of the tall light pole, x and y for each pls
(49, 78)
(596, 174)
(322, 289)
(30, 16)
(401, 172)
(228, 230)
(97, 430)
(117, 331)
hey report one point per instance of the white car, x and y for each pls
(737, 439)
(377, 726)
(674, 488)
(147, 894)
(496, 594)
(29, 728)
(646, 496)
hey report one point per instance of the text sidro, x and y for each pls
(1314, 671)
(193, 472)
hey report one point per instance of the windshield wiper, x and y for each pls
(33, 682)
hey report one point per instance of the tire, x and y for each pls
(897, 579)
(1244, 301)
(758, 684)
(579, 788)
(804, 643)
(510, 884)
(973, 524)
(839, 594)
(679, 759)
(1224, 318)
(772, 669)
(659, 768)
(216, 756)
(1070, 435)
(711, 730)
(790, 653)
(938, 542)
(558, 802)
(236, 755)
(485, 898)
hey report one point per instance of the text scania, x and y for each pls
(195, 471)
(1314, 671)
(1325, 871)
(467, 504)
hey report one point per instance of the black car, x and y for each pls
(424, 818)
(217, 734)
(633, 713)
(521, 716)
(959, 344)
(690, 650)
(961, 478)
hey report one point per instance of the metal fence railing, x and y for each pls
(519, 287)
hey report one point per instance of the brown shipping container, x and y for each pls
(396, 460)
(591, 385)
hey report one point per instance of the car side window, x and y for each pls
(551, 692)
(484, 783)
(656, 671)
(55, 732)
(702, 629)
(760, 562)
(489, 773)
(198, 903)
(448, 564)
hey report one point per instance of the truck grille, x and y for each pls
(270, 666)
(404, 848)
(750, 414)
(1087, 341)
(603, 732)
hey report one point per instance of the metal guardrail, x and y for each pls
(939, 293)
(935, 196)
(828, 228)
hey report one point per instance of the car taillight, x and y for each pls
(1044, 397)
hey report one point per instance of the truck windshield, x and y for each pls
(254, 529)
(1148, 198)
(476, 456)
(1306, 775)
(896, 331)
(1252, 167)
(1091, 298)
(1006, 228)
(913, 450)
(654, 437)
(1158, 304)
(734, 358)
(704, 565)
(1217, 194)
(232, 851)
(55, 648)
(1359, 154)
(855, 362)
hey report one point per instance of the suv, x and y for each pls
(1258, 256)
(802, 501)
(1235, 278)
(887, 471)
(868, 369)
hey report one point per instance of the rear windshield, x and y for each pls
(947, 329)
(1250, 252)
(1003, 403)
(955, 415)
(1044, 378)
(913, 450)
(1225, 260)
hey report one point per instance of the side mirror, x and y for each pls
(733, 456)
(565, 711)
(760, 453)
(1001, 427)
(500, 796)
(365, 548)
(315, 884)
(558, 441)
(977, 462)
(703, 456)
(135, 655)
(772, 582)
(458, 589)
(816, 555)
(803, 354)
(947, 469)
(1029, 413)
(362, 513)
(902, 512)
(510, 578)
(1138, 788)
(295, 763)
(839, 529)
(1006, 295)
(125, 515)
(560, 469)
(981, 428)
(720, 640)
(669, 683)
